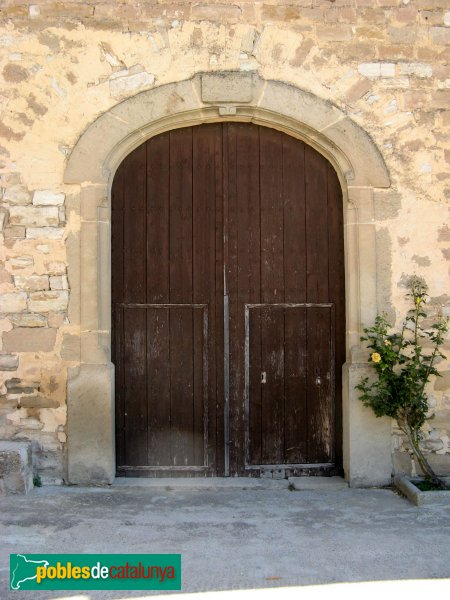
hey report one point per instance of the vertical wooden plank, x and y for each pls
(336, 282)
(272, 216)
(216, 329)
(272, 391)
(117, 267)
(319, 385)
(294, 219)
(158, 386)
(158, 356)
(231, 361)
(119, 374)
(158, 182)
(135, 386)
(207, 196)
(316, 226)
(135, 247)
(202, 214)
(180, 253)
(134, 291)
(272, 291)
(243, 267)
(295, 367)
(181, 386)
(255, 385)
(181, 320)
(295, 396)
(200, 385)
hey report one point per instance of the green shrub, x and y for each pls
(403, 366)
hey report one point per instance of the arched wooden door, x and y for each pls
(228, 305)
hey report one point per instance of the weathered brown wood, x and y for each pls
(272, 391)
(158, 219)
(254, 391)
(319, 385)
(317, 250)
(207, 243)
(134, 321)
(272, 291)
(244, 280)
(295, 392)
(158, 386)
(257, 210)
(117, 313)
(294, 219)
(336, 279)
(181, 291)
(134, 236)
(158, 320)
(135, 386)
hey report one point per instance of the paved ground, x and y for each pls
(233, 538)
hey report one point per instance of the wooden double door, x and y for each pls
(228, 305)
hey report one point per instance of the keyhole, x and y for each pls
(263, 377)
(318, 378)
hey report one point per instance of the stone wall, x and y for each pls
(384, 63)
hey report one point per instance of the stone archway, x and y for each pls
(208, 98)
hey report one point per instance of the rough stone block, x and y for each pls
(228, 87)
(8, 362)
(440, 99)
(48, 198)
(34, 216)
(21, 262)
(416, 69)
(31, 283)
(51, 233)
(90, 422)
(414, 99)
(130, 83)
(19, 386)
(17, 194)
(367, 439)
(59, 282)
(440, 35)
(13, 303)
(16, 232)
(16, 473)
(29, 339)
(55, 268)
(70, 349)
(53, 300)
(336, 33)
(3, 218)
(402, 35)
(377, 69)
(387, 205)
(28, 320)
(38, 401)
(358, 90)
(216, 12)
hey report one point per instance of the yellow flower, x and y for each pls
(387, 343)
(376, 357)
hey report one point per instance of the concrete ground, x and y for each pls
(234, 534)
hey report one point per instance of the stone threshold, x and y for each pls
(242, 483)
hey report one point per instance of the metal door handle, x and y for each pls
(263, 377)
